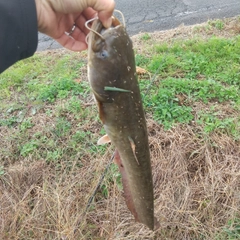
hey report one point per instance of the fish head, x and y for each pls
(99, 37)
(110, 54)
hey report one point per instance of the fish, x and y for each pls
(113, 80)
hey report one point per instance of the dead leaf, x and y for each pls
(141, 71)
(77, 80)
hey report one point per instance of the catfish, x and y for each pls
(113, 80)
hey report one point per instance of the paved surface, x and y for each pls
(156, 15)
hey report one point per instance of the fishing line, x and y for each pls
(99, 183)
(94, 192)
(90, 29)
(123, 19)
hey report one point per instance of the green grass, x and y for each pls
(204, 71)
(145, 37)
(215, 58)
(36, 77)
(201, 71)
(233, 231)
(218, 24)
(46, 85)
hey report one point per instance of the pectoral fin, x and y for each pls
(101, 113)
(133, 146)
(103, 140)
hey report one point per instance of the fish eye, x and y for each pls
(103, 54)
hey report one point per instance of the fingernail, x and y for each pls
(108, 23)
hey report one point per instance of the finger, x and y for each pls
(78, 34)
(72, 44)
(89, 13)
(81, 20)
(104, 8)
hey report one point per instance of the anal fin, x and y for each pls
(133, 146)
(103, 140)
(126, 188)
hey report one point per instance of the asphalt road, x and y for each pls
(156, 15)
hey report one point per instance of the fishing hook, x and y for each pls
(91, 20)
(123, 19)
(86, 25)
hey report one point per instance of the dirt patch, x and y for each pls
(230, 27)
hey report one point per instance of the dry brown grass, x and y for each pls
(196, 183)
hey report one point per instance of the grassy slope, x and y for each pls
(50, 163)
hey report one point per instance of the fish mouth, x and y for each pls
(96, 37)
(97, 30)
(101, 29)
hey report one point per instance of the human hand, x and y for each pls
(55, 17)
